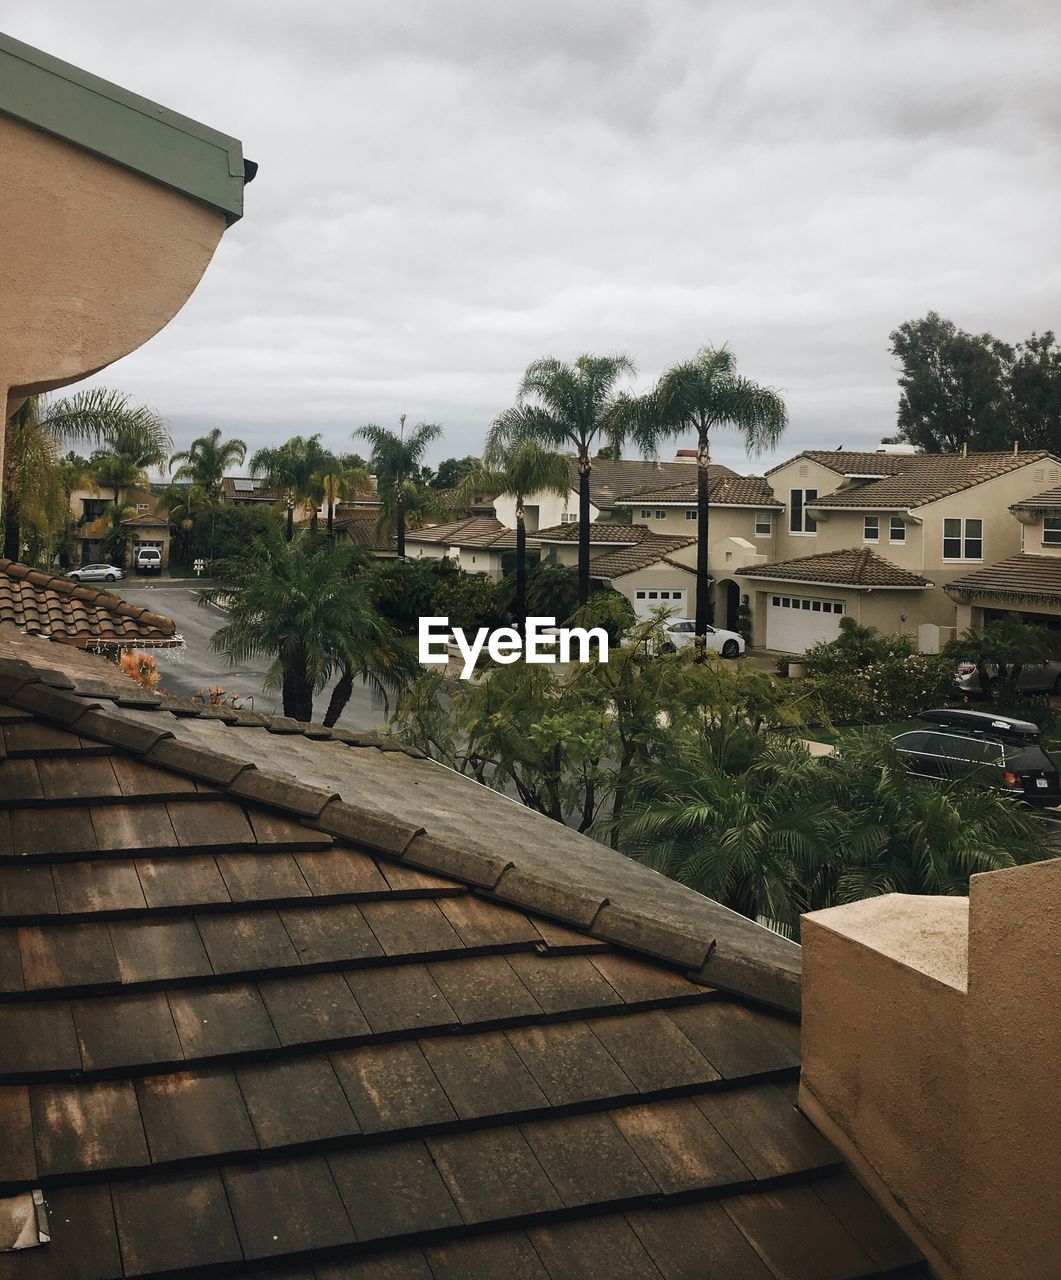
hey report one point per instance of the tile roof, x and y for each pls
(847, 462)
(61, 609)
(930, 476)
(472, 531)
(343, 1012)
(852, 568)
(259, 493)
(147, 520)
(609, 479)
(360, 527)
(731, 491)
(1021, 577)
(649, 551)
(600, 531)
(1040, 503)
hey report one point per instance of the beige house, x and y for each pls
(475, 543)
(933, 516)
(111, 207)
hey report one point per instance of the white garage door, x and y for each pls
(794, 623)
(647, 599)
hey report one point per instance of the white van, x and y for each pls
(148, 560)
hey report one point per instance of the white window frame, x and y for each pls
(660, 513)
(897, 526)
(646, 513)
(963, 538)
(764, 518)
(1054, 541)
(808, 526)
(871, 528)
(692, 514)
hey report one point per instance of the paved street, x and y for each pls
(187, 671)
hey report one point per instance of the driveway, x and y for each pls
(197, 667)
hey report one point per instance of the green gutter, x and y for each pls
(122, 127)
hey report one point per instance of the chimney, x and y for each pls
(1016, 447)
(965, 448)
(931, 1056)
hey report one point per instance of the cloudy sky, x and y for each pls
(449, 190)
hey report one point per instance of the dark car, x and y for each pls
(998, 751)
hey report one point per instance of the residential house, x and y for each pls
(609, 481)
(1028, 584)
(476, 543)
(247, 491)
(933, 516)
(146, 528)
(362, 527)
(744, 517)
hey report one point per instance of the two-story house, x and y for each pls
(922, 520)
(146, 526)
(1028, 584)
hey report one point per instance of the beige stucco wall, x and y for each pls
(658, 577)
(931, 1043)
(1031, 527)
(891, 612)
(96, 259)
(543, 510)
(800, 473)
(725, 524)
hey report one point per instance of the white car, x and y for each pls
(148, 560)
(97, 573)
(682, 631)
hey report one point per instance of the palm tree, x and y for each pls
(570, 406)
(296, 469)
(342, 481)
(116, 471)
(695, 396)
(395, 459)
(518, 470)
(206, 461)
(110, 421)
(307, 606)
(33, 477)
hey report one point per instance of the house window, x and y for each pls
(897, 531)
(871, 529)
(963, 539)
(660, 514)
(691, 515)
(571, 517)
(798, 519)
(1052, 531)
(764, 524)
(141, 507)
(646, 513)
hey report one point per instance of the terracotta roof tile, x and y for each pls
(1041, 503)
(602, 532)
(853, 568)
(474, 531)
(850, 462)
(610, 480)
(927, 478)
(1021, 577)
(724, 491)
(648, 551)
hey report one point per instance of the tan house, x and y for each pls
(934, 516)
(476, 543)
(146, 528)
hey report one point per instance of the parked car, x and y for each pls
(1043, 677)
(148, 560)
(998, 751)
(681, 632)
(97, 573)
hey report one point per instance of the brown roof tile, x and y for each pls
(58, 608)
(851, 462)
(476, 531)
(1021, 577)
(610, 480)
(927, 478)
(315, 1048)
(724, 491)
(649, 551)
(600, 532)
(854, 568)
(1041, 503)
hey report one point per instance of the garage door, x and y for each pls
(794, 623)
(648, 599)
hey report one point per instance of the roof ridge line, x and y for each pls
(64, 586)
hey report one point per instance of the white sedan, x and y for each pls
(97, 573)
(682, 631)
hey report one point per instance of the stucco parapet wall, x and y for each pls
(120, 126)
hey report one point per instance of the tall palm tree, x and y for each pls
(342, 481)
(305, 605)
(395, 459)
(296, 469)
(113, 424)
(518, 470)
(116, 471)
(695, 396)
(570, 406)
(33, 477)
(207, 459)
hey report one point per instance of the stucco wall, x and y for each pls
(800, 473)
(891, 612)
(96, 259)
(658, 577)
(725, 523)
(543, 510)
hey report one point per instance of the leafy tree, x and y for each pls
(953, 386)
(519, 470)
(296, 469)
(569, 406)
(221, 531)
(114, 545)
(451, 471)
(696, 396)
(205, 462)
(407, 590)
(395, 459)
(1035, 393)
(35, 500)
(469, 600)
(307, 605)
(552, 591)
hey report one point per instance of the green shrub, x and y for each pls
(845, 695)
(904, 684)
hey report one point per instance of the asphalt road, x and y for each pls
(197, 666)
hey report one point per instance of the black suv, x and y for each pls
(996, 750)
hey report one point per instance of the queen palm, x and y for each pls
(342, 481)
(570, 406)
(206, 460)
(306, 605)
(396, 457)
(517, 470)
(696, 396)
(296, 469)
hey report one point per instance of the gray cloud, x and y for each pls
(448, 191)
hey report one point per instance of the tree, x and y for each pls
(33, 490)
(395, 459)
(307, 605)
(117, 471)
(297, 469)
(205, 462)
(953, 386)
(518, 470)
(114, 545)
(552, 591)
(696, 396)
(342, 481)
(451, 471)
(1035, 393)
(569, 406)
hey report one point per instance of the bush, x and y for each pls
(1024, 706)
(406, 590)
(845, 695)
(470, 601)
(902, 685)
